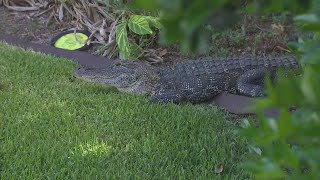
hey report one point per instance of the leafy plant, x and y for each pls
(138, 24)
(291, 143)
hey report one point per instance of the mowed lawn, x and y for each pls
(54, 126)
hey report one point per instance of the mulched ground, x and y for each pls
(26, 27)
(263, 36)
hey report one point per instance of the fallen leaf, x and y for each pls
(245, 123)
(102, 29)
(61, 13)
(256, 150)
(218, 168)
(163, 52)
(278, 28)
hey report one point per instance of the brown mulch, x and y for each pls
(261, 36)
(24, 26)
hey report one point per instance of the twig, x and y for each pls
(281, 48)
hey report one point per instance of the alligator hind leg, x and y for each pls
(251, 83)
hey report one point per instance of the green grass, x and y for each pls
(54, 126)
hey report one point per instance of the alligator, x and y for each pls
(193, 81)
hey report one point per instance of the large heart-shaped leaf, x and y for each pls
(139, 25)
(122, 40)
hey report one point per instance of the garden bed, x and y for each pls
(265, 35)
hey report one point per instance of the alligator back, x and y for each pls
(197, 81)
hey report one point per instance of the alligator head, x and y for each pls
(130, 77)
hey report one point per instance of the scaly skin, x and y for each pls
(192, 81)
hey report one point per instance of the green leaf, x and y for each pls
(310, 22)
(122, 40)
(285, 123)
(307, 18)
(154, 21)
(139, 25)
(310, 86)
(265, 169)
(145, 4)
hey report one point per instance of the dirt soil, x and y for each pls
(24, 26)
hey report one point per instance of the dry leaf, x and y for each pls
(112, 33)
(18, 8)
(163, 52)
(102, 29)
(218, 168)
(278, 28)
(60, 13)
